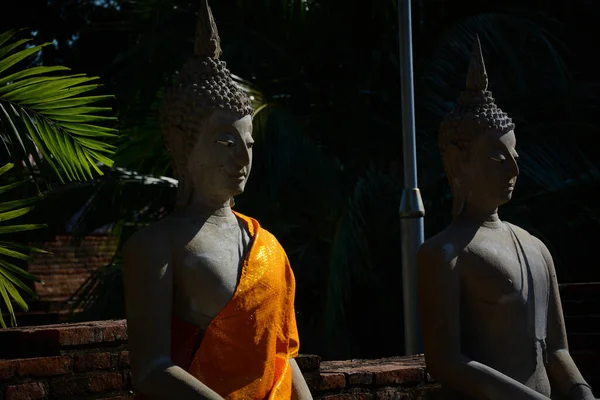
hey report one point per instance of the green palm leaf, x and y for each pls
(12, 276)
(50, 116)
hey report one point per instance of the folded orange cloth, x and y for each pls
(244, 353)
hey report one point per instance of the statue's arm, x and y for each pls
(300, 389)
(439, 305)
(562, 370)
(148, 279)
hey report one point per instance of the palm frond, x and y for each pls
(49, 116)
(11, 276)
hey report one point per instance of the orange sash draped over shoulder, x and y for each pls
(244, 353)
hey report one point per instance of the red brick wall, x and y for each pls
(69, 265)
(63, 271)
(91, 361)
(69, 361)
(396, 378)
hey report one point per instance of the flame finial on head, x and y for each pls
(207, 41)
(477, 78)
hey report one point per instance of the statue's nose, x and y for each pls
(242, 156)
(514, 167)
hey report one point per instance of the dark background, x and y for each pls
(327, 177)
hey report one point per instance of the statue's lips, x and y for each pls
(237, 177)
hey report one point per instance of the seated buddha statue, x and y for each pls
(490, 309)
(209, 293)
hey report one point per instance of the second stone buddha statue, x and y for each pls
(490, 309)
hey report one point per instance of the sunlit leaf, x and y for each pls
(45, 88)
(59, 95)
(35, 134)
(12, 90)
(68, 103)
(7, 49)
(11, 205)
(23, 54)
(19, 271)
(7, 302)
(12, 282)
(5, 36)
(20, 228)
(30, 72)
(76, 110)
(6, 167)
(5, 216)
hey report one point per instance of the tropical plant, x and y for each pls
(11, 275)
(50, 127)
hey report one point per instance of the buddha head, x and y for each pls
(207, 122)
(477, 144)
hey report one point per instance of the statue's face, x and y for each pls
(219, 164)
(491, 170)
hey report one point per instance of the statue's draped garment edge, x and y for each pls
(244, 352)
(538, 279)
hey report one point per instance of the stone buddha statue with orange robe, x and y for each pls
(209, 293)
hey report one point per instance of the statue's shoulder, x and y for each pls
(525, 233)
(520, 232)
(439, 251)
(152, 238)
(254, 226)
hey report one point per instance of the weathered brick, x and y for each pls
(64, 387)
(331, 381)
(360, 378)
(391, 393)
(8, 369)
(433, 392)
(73, 336)
(114, 333)
(124, 359)
(394, 374)
(308, 362)
(91, 361)
(106, 382)
(358, 394)
(34, 367)
(96, 332)
(26, 391)
(44, 366)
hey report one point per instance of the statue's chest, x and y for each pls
(206, 274)
(212, 266)
(495, 271)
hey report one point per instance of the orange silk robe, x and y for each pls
(244, 353)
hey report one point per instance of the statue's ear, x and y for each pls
(456, 160)
(175, 141)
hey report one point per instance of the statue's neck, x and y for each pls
(216, 211)
(481, 216)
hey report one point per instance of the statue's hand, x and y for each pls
(581, 392)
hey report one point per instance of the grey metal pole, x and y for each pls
(411, 206)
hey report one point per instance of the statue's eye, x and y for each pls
(228, 143)
(499, 158)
